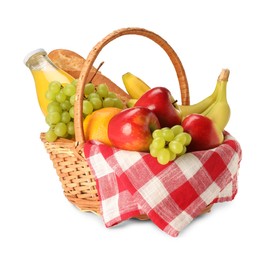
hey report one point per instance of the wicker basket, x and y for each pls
(67, 155)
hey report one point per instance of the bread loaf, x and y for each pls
(72, 63)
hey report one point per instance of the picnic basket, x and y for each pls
(68, 159)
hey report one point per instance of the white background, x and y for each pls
(36, 220)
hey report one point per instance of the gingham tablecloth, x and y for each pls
(132, 183)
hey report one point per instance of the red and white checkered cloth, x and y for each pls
(132, 183)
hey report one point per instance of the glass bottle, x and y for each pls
(44, 71)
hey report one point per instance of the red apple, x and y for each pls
(160, 101)
(132, 128)
(204, 132)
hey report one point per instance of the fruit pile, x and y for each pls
(60, 110)
(171, 129)
(149, 120)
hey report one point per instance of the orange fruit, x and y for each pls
(95, 125)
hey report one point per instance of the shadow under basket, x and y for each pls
(68, 158)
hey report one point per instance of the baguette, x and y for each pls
(72, 63)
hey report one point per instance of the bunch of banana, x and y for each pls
(214, 106)
(219, 111)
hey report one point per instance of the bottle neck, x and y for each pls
(39, 61)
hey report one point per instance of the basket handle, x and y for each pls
(180, 72)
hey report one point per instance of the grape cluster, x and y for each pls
(60, 110)
(169, 143)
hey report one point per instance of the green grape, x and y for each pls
(53, 118)
(168, 134)
(54, 87)
(183, 138)
(157, 133)
(50, 95)
(87, 107)
(163, 156)
(153, 151)
(67, 136)
(184, 151)
(69, 90)
(176, 147)
(94, 95)
(102, 90)
(60, 129)
(71, 112)
(70, 128)
(177, 129)
(50, 136)
(158, 143)
(118, 103)
(96, 103)
(112, 94)
(72, 100)
(66, 105)
(60, 97)
(88, 89)
(65, 117)
(54, 106)
(188, 138)
(108, 102)
(75, 82)
(172, 155)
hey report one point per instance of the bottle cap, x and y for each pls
(32, 53)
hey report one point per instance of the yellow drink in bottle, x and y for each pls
(44, 71)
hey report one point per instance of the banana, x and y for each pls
(135, 86)
(131, 102)
(199, 107)
(220, 111)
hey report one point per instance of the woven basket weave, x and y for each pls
(67, 155)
